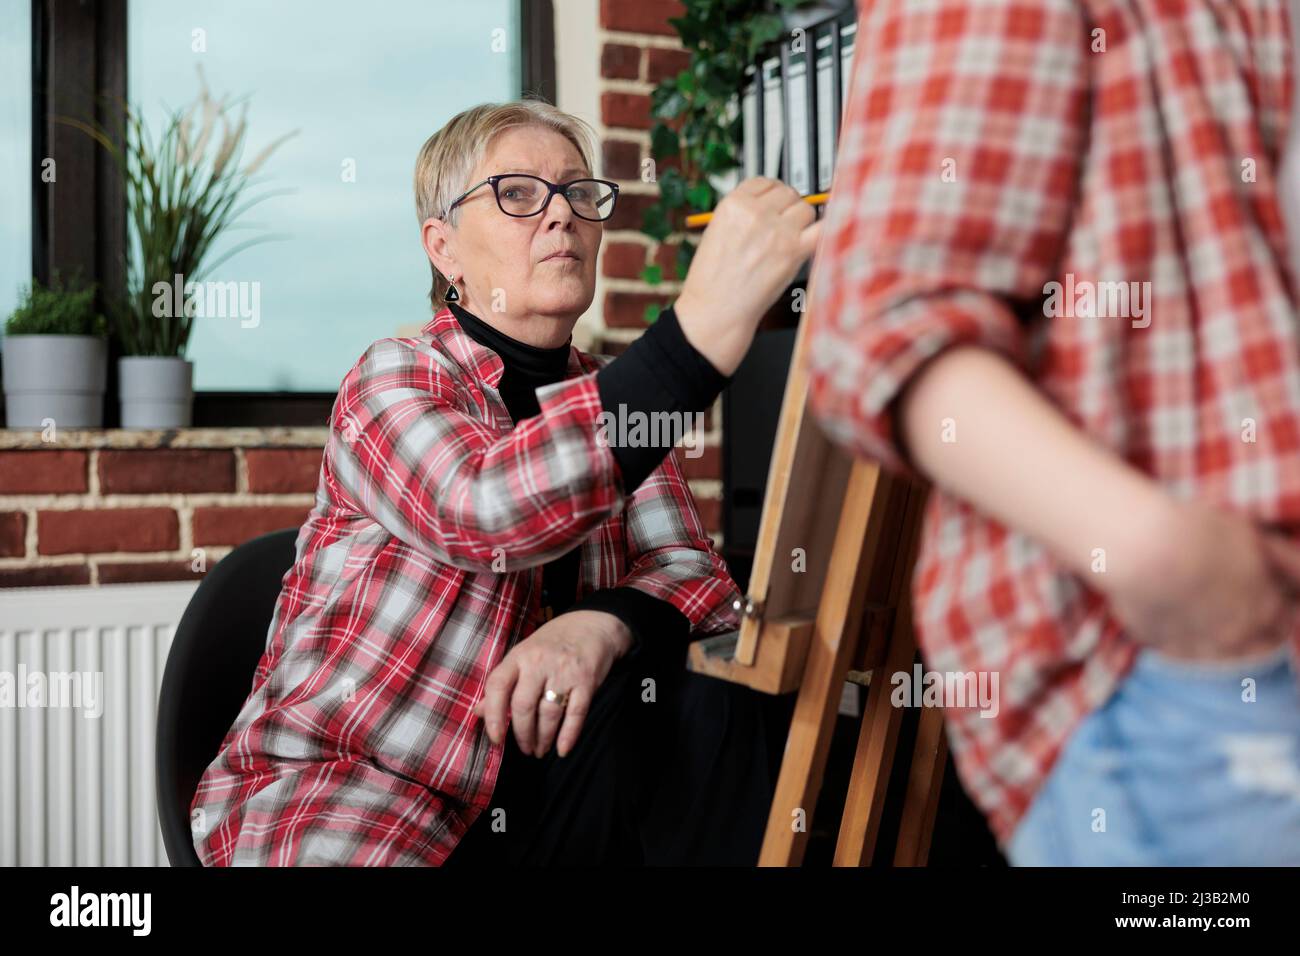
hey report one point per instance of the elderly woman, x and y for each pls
(478, 654)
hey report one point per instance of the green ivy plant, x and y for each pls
(64, 308)
(692, 121)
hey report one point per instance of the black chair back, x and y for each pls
(209, 674)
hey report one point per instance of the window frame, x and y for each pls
(78, 48)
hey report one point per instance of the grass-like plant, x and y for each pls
(63, 308)
(184, 187)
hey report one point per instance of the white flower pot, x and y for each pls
(156, 391)
(54, 377)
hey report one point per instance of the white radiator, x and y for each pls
(77, 767)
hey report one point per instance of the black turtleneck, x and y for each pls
(527, 367)
(635, 381)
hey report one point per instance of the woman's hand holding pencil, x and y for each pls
(758, 237)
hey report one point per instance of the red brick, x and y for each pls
(626, 310)
(628, 213)
(619, 61)
(43, 472)
(13, 534)
(629, 110)
(640, 16)
(661, 63)
(622, 160)
(707, 465)
(91, 530)
(623, 260)
(139, 471)
(45, 576)
(710, 510)
(130, 572)
(283, 470)
(665, 257)
(237, 524)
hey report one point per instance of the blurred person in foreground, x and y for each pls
(1056, 281)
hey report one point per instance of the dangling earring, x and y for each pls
(451, 295)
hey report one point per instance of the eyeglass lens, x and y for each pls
(524, 196)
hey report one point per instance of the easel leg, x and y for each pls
(923, 785)
(877, 742)
(834, 639)
(874, 761)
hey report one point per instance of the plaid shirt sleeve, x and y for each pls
(964, 130)
(402, 450)
(670, 556)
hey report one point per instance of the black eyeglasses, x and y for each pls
(521, 195)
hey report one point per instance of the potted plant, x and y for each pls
(55, 358)
(183, 188)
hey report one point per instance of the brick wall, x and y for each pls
(115, 507)
(105, 508)
(638, 48)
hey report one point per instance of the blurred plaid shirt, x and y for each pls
(419, 566)
(1085, 142)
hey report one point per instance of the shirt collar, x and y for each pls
(483, 363)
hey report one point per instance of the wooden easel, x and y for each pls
(844, 615)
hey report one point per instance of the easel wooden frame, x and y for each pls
(845, 615)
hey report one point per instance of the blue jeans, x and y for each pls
(1178, 768)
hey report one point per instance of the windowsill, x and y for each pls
(243, 437)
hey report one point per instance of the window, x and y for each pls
(365, 85)
(15, 154)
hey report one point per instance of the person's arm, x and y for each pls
(1194, 580)
(646, 618)
(952, 200)
(1019, 460)
(672, 558)
(659, 372)
(677, 587)
(954, 190)
(949, 216)
(403, 451)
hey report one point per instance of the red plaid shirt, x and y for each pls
(990, 148)
(418, 568)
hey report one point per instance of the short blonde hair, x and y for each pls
(448, 157)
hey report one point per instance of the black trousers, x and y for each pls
(671, 768)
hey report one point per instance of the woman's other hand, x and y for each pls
(759, 236)
(572, 652)
(1215, 587)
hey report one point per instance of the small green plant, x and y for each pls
(696, 127)
(65, 308)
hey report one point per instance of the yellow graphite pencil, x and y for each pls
(695, 220)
